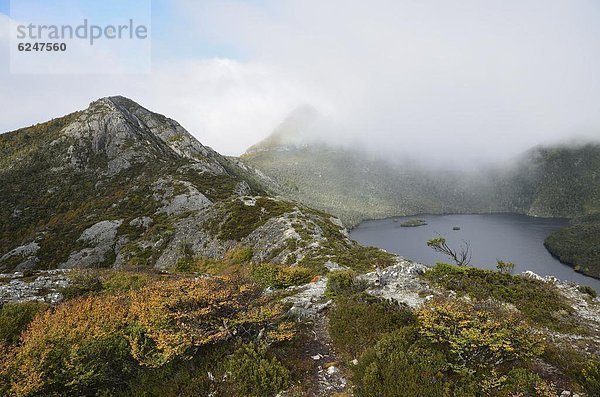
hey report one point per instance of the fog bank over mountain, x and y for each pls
(468, 80)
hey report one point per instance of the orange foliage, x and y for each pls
(95, 341)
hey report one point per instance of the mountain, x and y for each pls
(116, 185)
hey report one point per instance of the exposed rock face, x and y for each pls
(101, 239)
(119, 185)
(25, 256)
(190, 200)
(400, 282)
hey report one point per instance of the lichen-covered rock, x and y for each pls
(400, 282)
(23, 256)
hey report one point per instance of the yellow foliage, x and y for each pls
(52, 341)
(95, 341)
(478, 335)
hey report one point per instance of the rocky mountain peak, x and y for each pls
(119, 126)
(119, 185)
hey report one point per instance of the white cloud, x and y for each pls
(470, 78)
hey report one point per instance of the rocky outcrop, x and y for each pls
(400, 282)
(24, 256)
(41, 287)
(100, 240)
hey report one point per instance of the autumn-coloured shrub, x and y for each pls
(232, 262)
(484, 339)
(97, 344)
(169, 317)
(74, 349)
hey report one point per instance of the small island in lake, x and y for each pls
(413, 223)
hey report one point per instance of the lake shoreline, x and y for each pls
(500, 235)
(351, 227)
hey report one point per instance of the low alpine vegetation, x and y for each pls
(104, 343)
(489, 339)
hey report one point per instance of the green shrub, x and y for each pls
(455, 348)
(396, 366)
(362, 259)
(239, 255)
(202, 375)
(255, 374)
(591, 378)
(567, 359)
(357, 323)
(241, 219)
(14, 318)
(82, 282)
(541, 302)
(586, 289)
(523, 382)
(280, 276)
(125, 281)
(343, 283)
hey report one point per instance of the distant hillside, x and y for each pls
(567, 180)
(355, 185)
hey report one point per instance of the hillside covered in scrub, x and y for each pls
(116, 185)
(253, 330)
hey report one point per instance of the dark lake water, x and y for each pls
(509, 237)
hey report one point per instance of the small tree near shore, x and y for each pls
(461, 257)
(505, 267)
